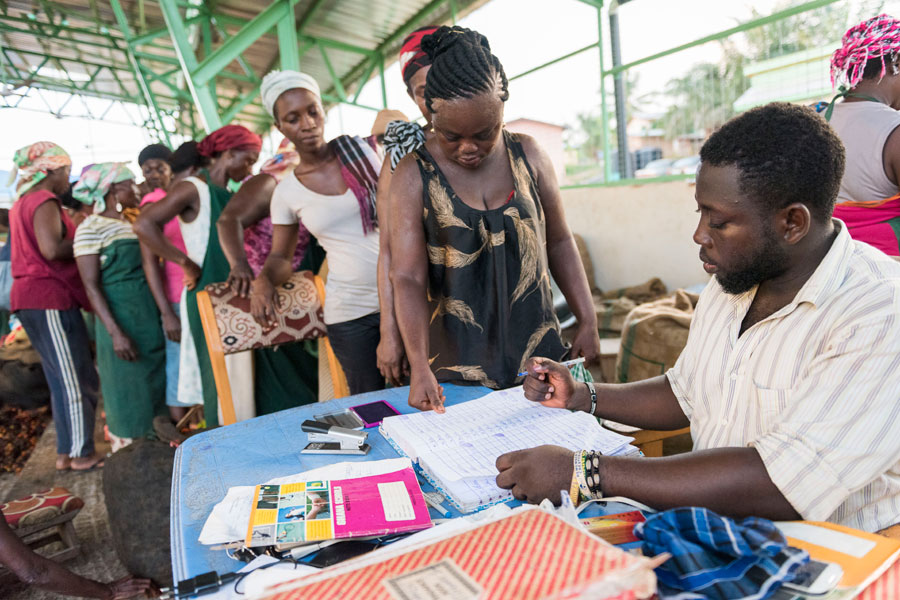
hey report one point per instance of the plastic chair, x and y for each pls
(229, 328)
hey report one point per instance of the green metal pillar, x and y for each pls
(604, 113)
(149, 98)
(288, 50)
(206, 104)
(384, 102)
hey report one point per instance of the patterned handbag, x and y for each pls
(298, 311)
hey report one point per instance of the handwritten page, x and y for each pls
(460, 448)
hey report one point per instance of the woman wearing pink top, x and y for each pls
(163, 169)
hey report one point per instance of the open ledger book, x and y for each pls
(457, 450)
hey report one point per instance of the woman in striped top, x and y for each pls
(130, 344)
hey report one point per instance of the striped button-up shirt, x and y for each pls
(814, 388)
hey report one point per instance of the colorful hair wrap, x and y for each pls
(412, 58)
(230, 137)
(285, 161)
(34, 161)
(95, 181)
(878, 37)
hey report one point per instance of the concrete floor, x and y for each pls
(98, 560)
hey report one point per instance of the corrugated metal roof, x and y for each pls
(82, 38)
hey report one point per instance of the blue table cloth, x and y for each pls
(252, 452)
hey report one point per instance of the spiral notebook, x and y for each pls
(457, 450)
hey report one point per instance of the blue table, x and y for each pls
(252, 452)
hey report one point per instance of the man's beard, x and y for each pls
(768, 261)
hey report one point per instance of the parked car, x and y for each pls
(684, 166)
(656, 168)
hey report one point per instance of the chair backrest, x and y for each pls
(228, 327)
(298, 313)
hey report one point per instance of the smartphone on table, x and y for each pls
(373, 413)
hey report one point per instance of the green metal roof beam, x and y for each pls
(337, 45)
(240, 59)
(365, 79)
(168, 60)
(778, 16)
(243, 39)
(208, 110)
(554, 61)
(288, 48)
(112, 66)
(308, 15)
(57, 28)
(149, 98)
(145, 38)
(403, 30)
(335, 80)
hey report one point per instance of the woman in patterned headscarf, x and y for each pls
(47, 296)
(868, 66)
(130, 344)
(227, 154)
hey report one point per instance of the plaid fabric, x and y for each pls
(716, 557)
(360, 166)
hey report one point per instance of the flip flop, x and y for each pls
(94, 467)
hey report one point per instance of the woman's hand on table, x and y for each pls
(536, 473)
(424, 391)
(262, 301)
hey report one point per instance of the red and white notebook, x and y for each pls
(527, 555)
(310, 511)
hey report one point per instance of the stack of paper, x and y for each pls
(458, 450)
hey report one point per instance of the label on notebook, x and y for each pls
(396, 502)
(442, 580)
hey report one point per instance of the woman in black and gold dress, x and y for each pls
(477, 221)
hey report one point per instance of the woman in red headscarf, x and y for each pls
(226, 154)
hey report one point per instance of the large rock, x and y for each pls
(137, 482)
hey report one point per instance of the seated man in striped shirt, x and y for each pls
(791, 375)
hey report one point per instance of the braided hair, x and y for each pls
(462, 66)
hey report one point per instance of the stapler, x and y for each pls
(331, 439)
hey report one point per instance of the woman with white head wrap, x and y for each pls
(130, 343)
(332, 192)
(287, 376)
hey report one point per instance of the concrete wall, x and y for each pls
(637, 232)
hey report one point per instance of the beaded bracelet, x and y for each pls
(578, 468)
(575, 489)
(592, 474)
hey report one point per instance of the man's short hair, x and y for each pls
(785, 153)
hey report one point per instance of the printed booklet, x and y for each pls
(312, 511)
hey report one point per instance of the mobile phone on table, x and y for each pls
(373, 413)
(815, 578)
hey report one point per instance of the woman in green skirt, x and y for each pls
(130, 343)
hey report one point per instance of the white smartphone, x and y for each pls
(816, 578)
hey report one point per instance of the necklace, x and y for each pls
(845, 93)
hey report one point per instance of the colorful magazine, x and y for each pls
(312, 511)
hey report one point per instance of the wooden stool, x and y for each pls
(46, 517)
